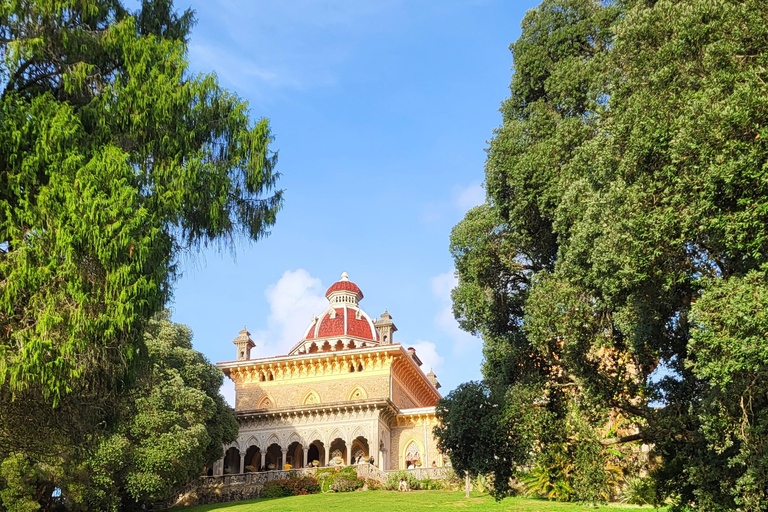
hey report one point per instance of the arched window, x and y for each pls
(412, 456)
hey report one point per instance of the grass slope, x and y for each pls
(391, 501)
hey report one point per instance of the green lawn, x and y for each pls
(391, 501)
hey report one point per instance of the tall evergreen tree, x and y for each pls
(622, 251)
(114, 159)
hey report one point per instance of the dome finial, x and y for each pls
(344, 276)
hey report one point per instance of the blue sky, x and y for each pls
(381, 113)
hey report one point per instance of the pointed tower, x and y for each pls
(386, 327)
(244, 344)
(433, 378)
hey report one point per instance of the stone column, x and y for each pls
(282, 462)
(324, 460)
(306, 454)
(373, 444)
(349, 454)
(263, 460)
(242, 463)
(218, 467)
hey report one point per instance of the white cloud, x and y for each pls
(427, 352)
(228, 391)
(466, 198)
(293, 299)
(463, 342)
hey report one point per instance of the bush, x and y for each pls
(339, 479)
(393, 481)
(373, 485)
(290, 487)
(431, 485)
(639, 491)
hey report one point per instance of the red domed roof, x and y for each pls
(344, 285)
(343, 322)
(348, 286)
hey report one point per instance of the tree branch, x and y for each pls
(623, 439)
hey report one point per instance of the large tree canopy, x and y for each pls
(174, 422)
(620, 261)
(114, 159)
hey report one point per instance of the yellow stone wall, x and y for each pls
(400, 397)
(402, 433)
(328, 388)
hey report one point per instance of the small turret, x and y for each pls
(244, 344)
(386, 327)
(433, 378)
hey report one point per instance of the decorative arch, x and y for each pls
(311, 397)
(412, 451)
(273, 439)
(295, 438)
(357, 393)
(266, 402)
(337, 434)
(360, 432)
(252, 441)
(315, 435)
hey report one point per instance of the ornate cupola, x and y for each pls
(343, 325)
(386, 327)
(244, 344)
(344, 291)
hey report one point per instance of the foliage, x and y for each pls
(115, 161)
(483, 435)
(290, 487)
(175, 422)
(620, 262)
(342, 479)
(482, 484)
(639, 491)
(393, 481)
(550, 479)
(428, 484)
(19, 487)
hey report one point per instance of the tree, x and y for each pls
(484, 435)
(114, 160)
(174, 423)
(621, 258)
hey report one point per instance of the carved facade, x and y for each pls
(344, 393)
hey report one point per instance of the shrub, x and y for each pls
(431, 485)
(339, 479)
(373, 485)
(290, 487)
(482, 484)
(343, 484)
(393, 481)
(639, 491)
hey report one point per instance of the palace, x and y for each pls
(345, 393)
